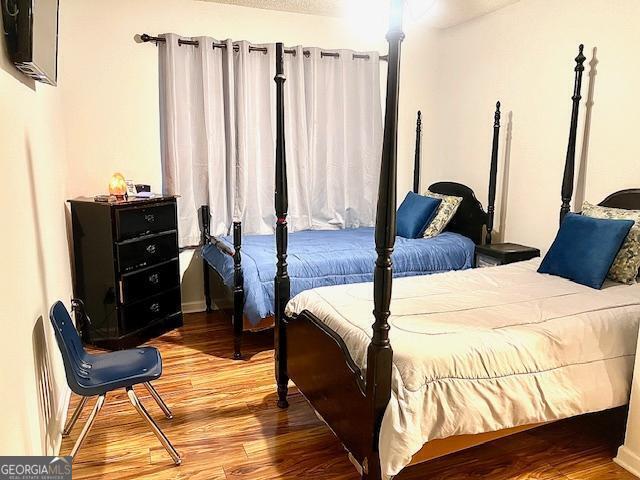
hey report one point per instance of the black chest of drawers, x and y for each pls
(126, 269)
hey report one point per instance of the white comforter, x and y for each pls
(486, 349)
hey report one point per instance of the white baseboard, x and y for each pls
(63, 410)
(193, 307)
(628, 460)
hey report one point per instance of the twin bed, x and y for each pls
(330, 257)
(239, 270)
(477, 354)
(473, 352)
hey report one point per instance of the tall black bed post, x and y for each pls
(569, 165)
(281, 281)
(417, 153)
(379, 352)
(238, 291)
(205, 234)
(493, 174)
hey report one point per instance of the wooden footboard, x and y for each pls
(322, 369)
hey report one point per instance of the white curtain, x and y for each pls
(197, 125)
(217, 117)
(342, 100)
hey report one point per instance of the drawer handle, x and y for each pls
(155, 307)
(150, 218)
(154, 279)
(151, 249)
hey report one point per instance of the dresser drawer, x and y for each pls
(140, 314)
(150, 281)
(147, 251)
(135, 222)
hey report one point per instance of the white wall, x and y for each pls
(629, 454)
(110, 83)
(523, 55)
(35, 265)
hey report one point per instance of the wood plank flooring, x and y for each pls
(227, 427)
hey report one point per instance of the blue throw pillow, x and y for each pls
(585, 248)
(415, 214)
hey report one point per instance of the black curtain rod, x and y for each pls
(148, 38)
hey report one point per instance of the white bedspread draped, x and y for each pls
(487, 349)
(218, 135)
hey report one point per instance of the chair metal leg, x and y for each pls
(74, 418)
(159, 401)
(87, 426)
(161, 436)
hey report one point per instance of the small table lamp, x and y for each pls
(117, 186)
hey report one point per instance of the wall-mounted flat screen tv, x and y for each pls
(31, 29)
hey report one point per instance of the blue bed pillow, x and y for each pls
(585, 248)
(415, 214)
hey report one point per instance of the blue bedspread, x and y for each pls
(318, 258)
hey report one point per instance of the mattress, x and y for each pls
(319, 258)
(488, 349)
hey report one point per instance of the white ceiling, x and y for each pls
(443, 13)
(448, 13)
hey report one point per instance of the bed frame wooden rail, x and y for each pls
(315, 358)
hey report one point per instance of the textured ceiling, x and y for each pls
(330, 8)
(443, 13)
(447, 13)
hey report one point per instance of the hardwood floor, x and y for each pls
(227, 427)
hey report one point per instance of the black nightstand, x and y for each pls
(503, 253)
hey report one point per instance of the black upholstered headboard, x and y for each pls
(628, 199)
(470, 218)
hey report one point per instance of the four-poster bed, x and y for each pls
(459, 342)
(238, 271)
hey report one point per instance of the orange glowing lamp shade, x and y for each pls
(117, 185)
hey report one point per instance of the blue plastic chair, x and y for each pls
(91, 375)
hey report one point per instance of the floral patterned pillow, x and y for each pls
(626, 264)
(444, 214)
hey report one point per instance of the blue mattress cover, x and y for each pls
(319, 258)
